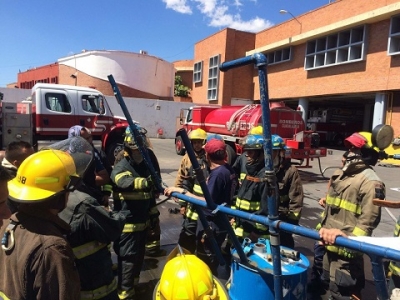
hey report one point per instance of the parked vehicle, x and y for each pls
(52, 109)
(234, 122)
(334, 125)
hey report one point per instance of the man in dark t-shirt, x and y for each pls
(221, 183)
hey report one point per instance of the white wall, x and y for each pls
(139, 71)
(142, 110)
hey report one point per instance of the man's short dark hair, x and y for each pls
(14, 150)
(4, 174)
(218, 155)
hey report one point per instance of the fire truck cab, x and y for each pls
(52, 109)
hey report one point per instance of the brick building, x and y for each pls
(138, 75)
(337, 63)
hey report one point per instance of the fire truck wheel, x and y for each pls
(179, 148)
(113, 150)
(231, 155)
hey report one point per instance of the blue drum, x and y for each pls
(255, 279)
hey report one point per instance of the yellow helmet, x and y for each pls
(42, 175)
(256, 130)
(369, 152)
(368, 139)
(198, 134)
(186, 277)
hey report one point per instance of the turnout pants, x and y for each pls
(130, 249)
(187, 237)
(346, 276)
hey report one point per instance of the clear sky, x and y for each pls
(38, 32)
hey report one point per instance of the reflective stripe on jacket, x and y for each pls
(87, 249)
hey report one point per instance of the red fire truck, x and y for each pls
(234, 122)
(53, 108)
(335, 124)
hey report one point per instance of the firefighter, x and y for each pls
(186, 179)
(240, 164)
(153, 240)
(188, 277)
(197, 138)
(16, 152)
(317, 283)
(99, 185)
(36, 260)
(93, 228)
(394, 270)
(5, 212)
(135, 193)
(291, 193)
(252, 194)
(221, 184)
(350, 211)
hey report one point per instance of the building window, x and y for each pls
(279, 56)
(394, 36)
(213, 71)
(197, 72)
(339, 48)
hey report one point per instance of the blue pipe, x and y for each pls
(139, 139)
(369, 249)
(260, 61)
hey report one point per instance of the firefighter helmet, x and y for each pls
(42, 175)
(214, 136)
(253, 142)
(129, 139)
(198, 134)
(277, 142)
(188, 277)
(369, 153)
(256, 130)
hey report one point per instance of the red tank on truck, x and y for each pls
(53, 108)
(234, 122)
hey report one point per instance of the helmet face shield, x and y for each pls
(79, 149)
(129, 139)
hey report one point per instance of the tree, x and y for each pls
(180, 89)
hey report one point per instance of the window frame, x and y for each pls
(213, 77)
(198, 72)
(394, 36)
(279, 56)
(343, 47)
